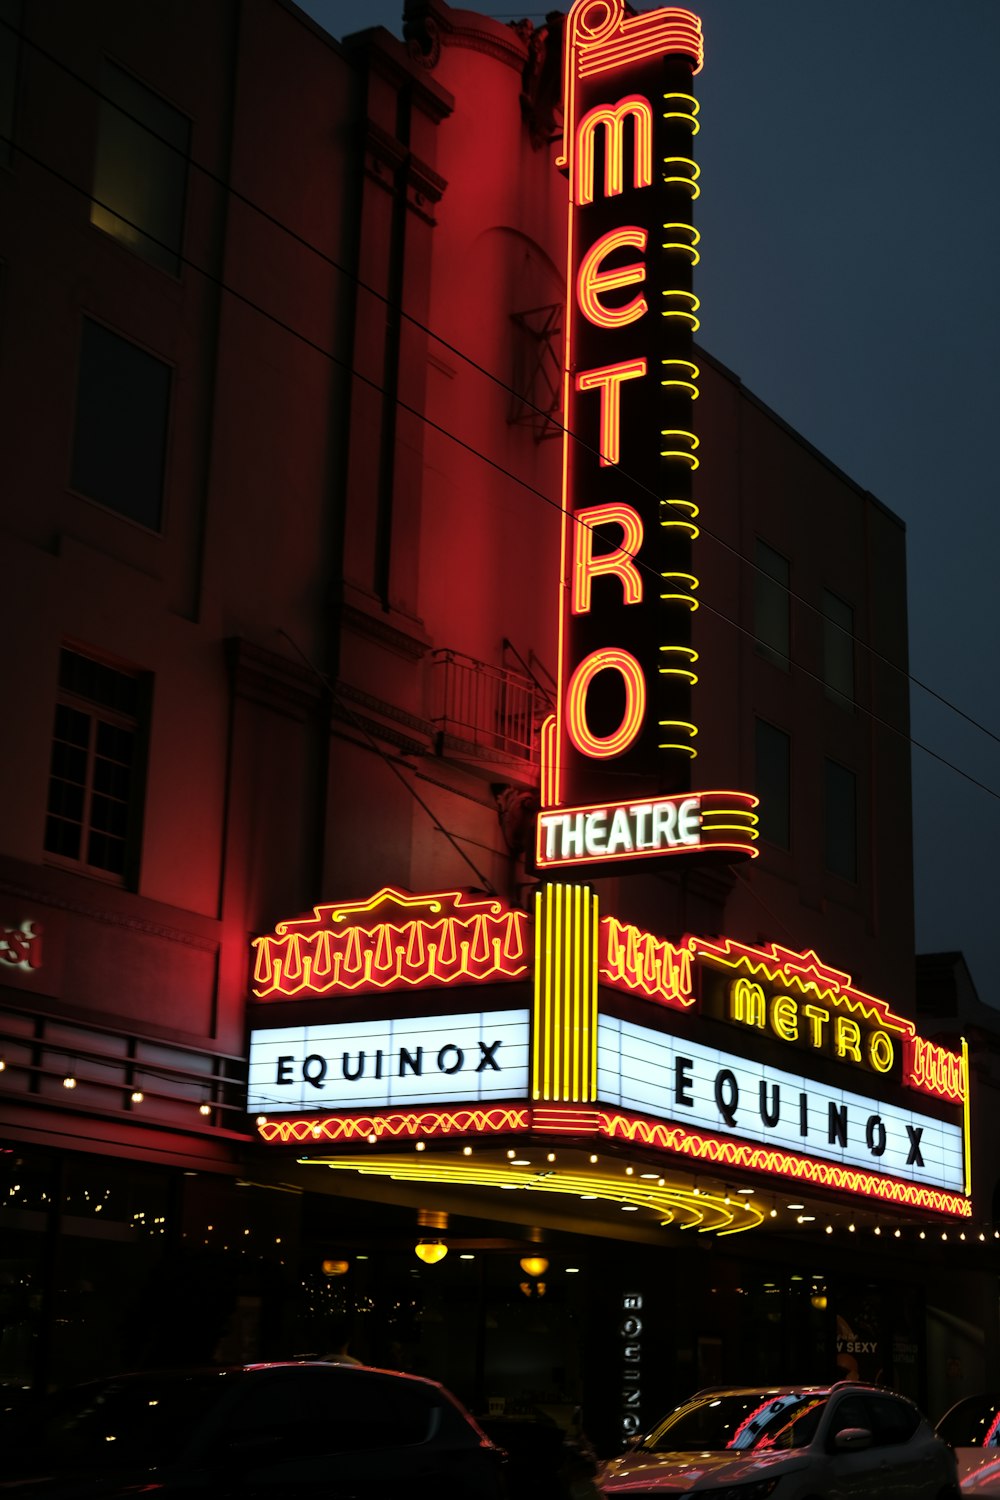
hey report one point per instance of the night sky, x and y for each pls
(850, 276)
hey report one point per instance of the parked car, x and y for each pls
(789, 1442)
(256, 1432)
(972, 1428)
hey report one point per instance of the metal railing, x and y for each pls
(490, 710)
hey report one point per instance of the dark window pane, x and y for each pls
(771, 622)
(841, 821)
(773, 760)
(72, 726)
(119, 446)
(140, 174)
(62, 838)
(838, 649)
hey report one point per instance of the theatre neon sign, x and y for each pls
(624, 720)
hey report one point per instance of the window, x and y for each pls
(140, 174)
(119, 447)
(98, 762)
(841, 821)
(10, 25)
(838, 649)
(773, 761)
(770, 618)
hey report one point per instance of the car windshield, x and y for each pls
(745, 1421)
(131, 1419)
(973, 1423)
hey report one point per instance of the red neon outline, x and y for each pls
(932, 1069)
(590, 282)
(445, 938)
(409, 1125)
(608, 380)
(639, 963)
(613, 659)
(613, 116)
(614, 1125)
(620, 561)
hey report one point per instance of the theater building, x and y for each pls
(457, 866)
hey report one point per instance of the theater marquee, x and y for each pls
(451, 1019)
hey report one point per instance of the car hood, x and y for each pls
(678, 1472)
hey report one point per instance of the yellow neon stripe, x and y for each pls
(594, 1003)
(692, 604)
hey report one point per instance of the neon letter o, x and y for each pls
(609, 659)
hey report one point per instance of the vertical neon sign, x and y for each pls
(617, 753)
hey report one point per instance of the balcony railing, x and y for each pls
(489, 712)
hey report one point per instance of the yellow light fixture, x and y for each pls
(534, 1265)
(336, 1267)
(430, 1251)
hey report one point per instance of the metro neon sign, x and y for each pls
(628, 587)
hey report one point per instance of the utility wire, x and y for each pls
(492, 463)
(500, 468)
(453, 349)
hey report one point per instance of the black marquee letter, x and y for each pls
(914, 1132)
(875, 1135)
(459, 1055)
(487, 1058)
(682, 1081)
(729, 1102)
(770, 1116)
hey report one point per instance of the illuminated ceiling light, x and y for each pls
(3, 1065)
(551, 1156)
(572, 1270)
(982, 1237)
(774, 1213)
(466, 1150)
(747, 1192)
(137, 1096)
(69, 1082)
(430, 1251)
(511, 1155)
(593, 1157)
(588, 1195)
(467, 1256)
(923, 1235)
(696, 1192)
(661, 1182)
(630, 1208)
(794, 1207)
(878, 1229)
(630, 1171)
(534, 1265)
(896, 1233)
(806, 1219)
(335, 1267)
(648, 1176)
(962, 1235)
(850, 1228)
(829, 1229)
(818, 1301)
(421, 1146)
(944, 1234)
(520, 1161)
